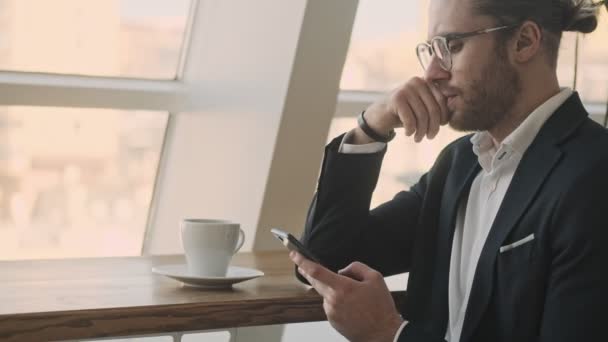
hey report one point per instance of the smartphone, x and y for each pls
(293, 244)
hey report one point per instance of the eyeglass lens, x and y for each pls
(439, 47)
(425, 55)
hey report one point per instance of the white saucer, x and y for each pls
(234, 275)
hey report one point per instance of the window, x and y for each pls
(593, 63)
(382, 48)
(88, 88)
(382, 55)
(76, 182)
(122, 38)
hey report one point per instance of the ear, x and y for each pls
(528, 40)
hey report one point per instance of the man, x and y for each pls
(505, 237)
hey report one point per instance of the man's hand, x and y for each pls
(356, 301)
(417, 106)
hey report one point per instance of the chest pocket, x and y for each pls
(516, 256)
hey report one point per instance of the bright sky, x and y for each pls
(382, 18)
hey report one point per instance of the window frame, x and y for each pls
(109, 92)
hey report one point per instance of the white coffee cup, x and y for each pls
(209, 245)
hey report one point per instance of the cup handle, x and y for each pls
(241, 241)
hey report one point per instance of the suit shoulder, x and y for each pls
(589, 141)
(594, 130)
(584, 158)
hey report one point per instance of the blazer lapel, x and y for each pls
(535, 166)
(456, 189)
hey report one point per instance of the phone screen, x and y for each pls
(293, 244)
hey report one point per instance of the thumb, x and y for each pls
(357, 270)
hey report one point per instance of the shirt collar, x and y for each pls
(521, 138)
(485, 148)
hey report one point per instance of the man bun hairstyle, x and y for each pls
(553, 16)
(581, 17)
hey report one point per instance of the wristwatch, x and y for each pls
(371, 133)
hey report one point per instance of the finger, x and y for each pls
(422, 116)
(406, 115)
(323, 289)
(348, 272)
(433, 108)
(442, 101)
(315, 271)
(358, 271)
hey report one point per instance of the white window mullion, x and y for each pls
(351, 103)
(187, 41)
(37, 89)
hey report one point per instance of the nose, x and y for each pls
(434, 72)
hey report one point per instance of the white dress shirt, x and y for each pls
(473, 221)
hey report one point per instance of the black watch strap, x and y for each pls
(373, 134)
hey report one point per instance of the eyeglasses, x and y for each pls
(440, 46)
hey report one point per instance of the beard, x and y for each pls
(487, 100)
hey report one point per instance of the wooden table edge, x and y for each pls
(159, 319)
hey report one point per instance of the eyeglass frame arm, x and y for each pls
(457, 36)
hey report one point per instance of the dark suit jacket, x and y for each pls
(554, 288)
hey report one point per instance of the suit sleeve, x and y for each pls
(414, 332)
(577, 288)
(340, 228)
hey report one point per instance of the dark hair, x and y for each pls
(553, 16)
